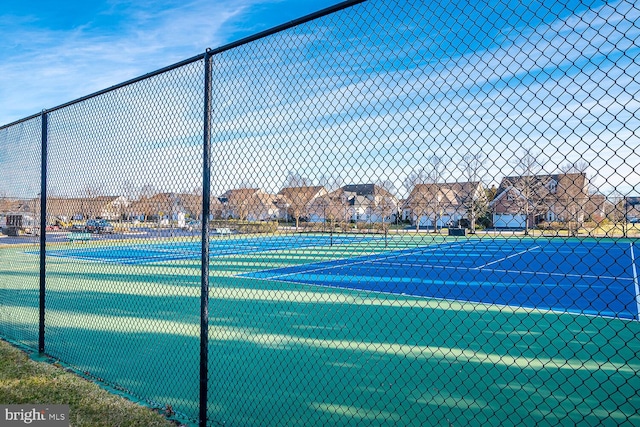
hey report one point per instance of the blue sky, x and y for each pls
(366, 95)
(54, 52)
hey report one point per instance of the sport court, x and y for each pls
(594, 278)
(326, 316)
(139, 254)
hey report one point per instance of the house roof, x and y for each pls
(299, 195)
(264, 198)
(187, 201)
(360, 189)
(454, 193)
(240, 193)
(567, 184)
(366, 190)
(362, 193)
(540, 192)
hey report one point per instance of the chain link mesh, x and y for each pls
(422, 213)
(19, 276)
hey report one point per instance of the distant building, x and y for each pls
(632, 209)
(444, 204)
(107, 207)
(250, 204)
(525, 201)
(294, 202)
(359, 203)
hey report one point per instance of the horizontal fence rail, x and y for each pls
(384, 213)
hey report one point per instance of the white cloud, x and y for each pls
(565, 88)
(45, 68)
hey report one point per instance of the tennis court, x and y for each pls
(350, 325)
(595, 278)
(138, 254)
(583, 277)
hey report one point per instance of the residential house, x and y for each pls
(294, 202)
(17, 205)
(262, 207)
(371, 203)
(107, 207)
(597, 207)
(445, 204)
(172, 207)
(160, 207)
(360, 203)
(252, 204)
(632, 209)
(524, 201)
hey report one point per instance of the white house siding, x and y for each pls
(443, 221)
(509, 220)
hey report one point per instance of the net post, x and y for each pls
(43, 228)
(204, 278)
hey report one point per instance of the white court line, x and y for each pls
(534, 273)
(635, 280)
(543, 273)
(356, 261)
(507, 257)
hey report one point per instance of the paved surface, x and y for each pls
(134, 233)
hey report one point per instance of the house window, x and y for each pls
(552, 186)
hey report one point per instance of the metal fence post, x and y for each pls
(43, 229)
(206, 199)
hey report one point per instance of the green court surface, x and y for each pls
(285, 351)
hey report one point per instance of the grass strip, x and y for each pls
(24, 381)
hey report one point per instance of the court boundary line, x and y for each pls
(399, 253)
(534, 273)
(282, 277)
(357, 260)
(161, 252)
(507, 257)
(373, 258)
(450, 300)
(635, 280)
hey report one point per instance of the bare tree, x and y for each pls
(296, 200)
(295, 179)
(129, 192)
(147, 191)
(436, 168)
(415, 178)
(335, 208)
(618, 211)
(476, 205)
(192, 202)
(579, 166)
(331, 182)
(386, 208)
(425, 201)
(91, 205)
(239, 203)
(531, 190)
(386, 184)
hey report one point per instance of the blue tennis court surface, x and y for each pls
(597, 278)
(175, 251)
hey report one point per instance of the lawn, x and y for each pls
(23, 381)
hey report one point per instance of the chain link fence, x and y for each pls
(387, 213)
